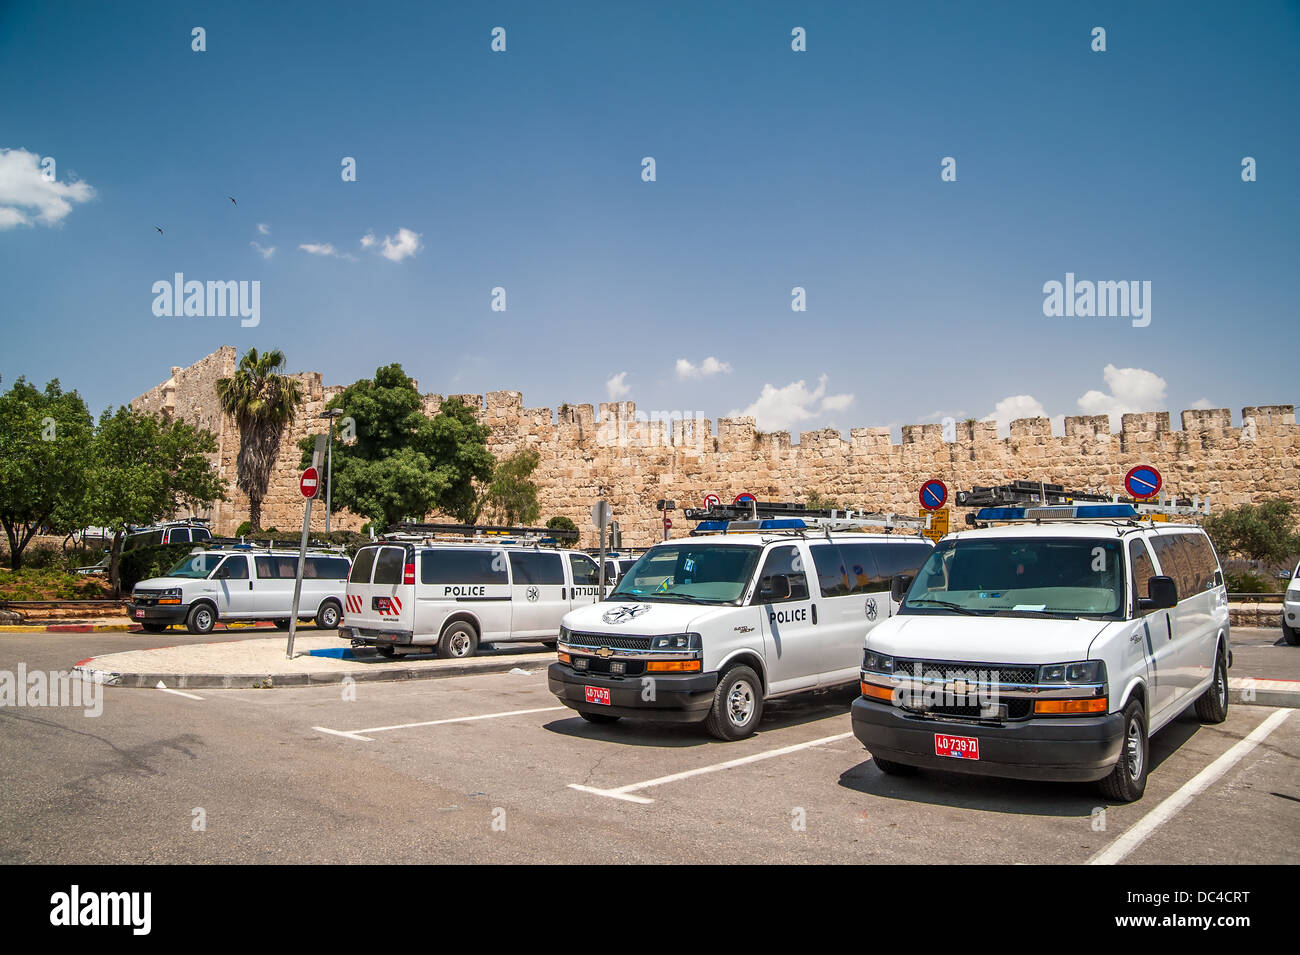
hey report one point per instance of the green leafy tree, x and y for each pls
(45, 443)
(144, 469)
(262, 400)
(511, 497)
(561, 523)
(1263, 531)
(400, 463)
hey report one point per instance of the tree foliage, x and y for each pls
(45, 445)
(1263, 531)
(262, 400)
(511, 496)
(400, 463)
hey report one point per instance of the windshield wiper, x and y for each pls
(944, 603)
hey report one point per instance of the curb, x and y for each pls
(117, 628)
(1258, 691)
(251, 681)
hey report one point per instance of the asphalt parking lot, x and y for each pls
(489, 768)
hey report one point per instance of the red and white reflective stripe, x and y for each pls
(398, 603)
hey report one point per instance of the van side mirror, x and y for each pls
(775, 587)
(899, 586)
(1162, 594)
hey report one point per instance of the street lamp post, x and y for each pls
(329, 414)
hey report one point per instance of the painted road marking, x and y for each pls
(189, 696)
(360, 734)
(625, 792)
(1158, 816)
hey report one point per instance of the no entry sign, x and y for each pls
(309, 483)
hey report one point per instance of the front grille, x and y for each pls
(613, 641)
(597, 665)
(1017, 709)
(146, 594)
(973, 672)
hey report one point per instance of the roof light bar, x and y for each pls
(765, 517)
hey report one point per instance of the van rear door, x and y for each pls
(381, 590)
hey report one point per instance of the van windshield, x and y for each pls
(196, 565)
(1029, 576)
(694, 572)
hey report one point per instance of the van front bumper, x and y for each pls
(678, 698)
(1055, 750)
(157, 613)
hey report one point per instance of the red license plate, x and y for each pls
(597, 694)
(960, 747)
(140, 614)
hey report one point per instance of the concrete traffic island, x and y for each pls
(318, 659)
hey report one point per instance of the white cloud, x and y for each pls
(266, 253)
(1202, 404)
(323, 248)
(403, 245)
(1131, 390)
(263, 228)
(705, 369)
(617, 386)
(1013, 407)
(779, 409)
(28, 198)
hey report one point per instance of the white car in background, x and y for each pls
(1291, 610)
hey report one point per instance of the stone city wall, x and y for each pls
(639, 461)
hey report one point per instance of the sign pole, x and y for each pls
(302, 551)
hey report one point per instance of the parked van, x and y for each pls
(707, 628)
(241, 583)
(1291, 609)
(1050, 647)
(173, 532)
(458, 595)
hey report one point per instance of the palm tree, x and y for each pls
(262, 401)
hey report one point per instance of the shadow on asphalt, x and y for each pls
(778, 714)
(371, 655)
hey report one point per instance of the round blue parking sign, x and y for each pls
(1143, 481)
(934, 493)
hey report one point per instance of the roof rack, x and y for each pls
(1024, 501)
(775, 518)
(250, 544)
(480, 533)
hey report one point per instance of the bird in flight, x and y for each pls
(160, 231)
(232, 199)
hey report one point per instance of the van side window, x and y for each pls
(200, 533)
(388, 568)
(784, 560)
(833, 577)
(362, 565)
(1200, 557)
(463, 567)
(1173, 561)
(536, 568)
(179, 535)
(235, 568)
(894, 559)
(268, 568)
(1142, 568)
(584, 571)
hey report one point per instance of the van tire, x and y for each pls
(458, 640)
(1291, 635)
(1212, 705)
(550, 644)
(891, 768)
(1127, 782)
(598, 717)
(153, 627)
(327, 616)
(384, 650)
(201, 618)
(739, 694)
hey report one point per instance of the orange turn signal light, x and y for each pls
(673, 666)
(169, 601)
(877, 692)
(1098, 704)
(564, 657)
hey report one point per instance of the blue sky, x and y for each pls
(775, 169)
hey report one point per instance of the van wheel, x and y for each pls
(737, 704)
(891, 768)
(385, 651)
(458, 640)
(327, 617)
(1212, 705)
(1291, 635)
(202, 619)
(1128, 780)
(598, 717)
(550, 644)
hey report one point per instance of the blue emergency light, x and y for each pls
(1069, 512)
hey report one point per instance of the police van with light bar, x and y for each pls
(459, 586)
(1049, 642)
(761, 601)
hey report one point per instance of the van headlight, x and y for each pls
(565, 633)
(676, 641)
(874, 662)
(1085, 671)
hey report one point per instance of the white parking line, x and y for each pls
(625, 792)
(189, 696)
(359, 734)
(1158, 816)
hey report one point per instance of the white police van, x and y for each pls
(1049, 643)
(708, 627)
(242, 582)
(458, 586)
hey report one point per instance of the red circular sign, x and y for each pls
(1143, 481)
(712, 500)
(668, 522)
(742, 497)
(933, 494)
(309, 483)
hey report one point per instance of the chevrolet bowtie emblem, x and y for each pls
(604, 653)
